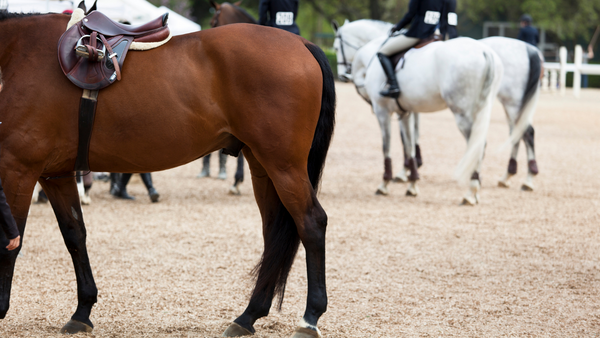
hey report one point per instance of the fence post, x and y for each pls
(563, 71)
(577, 72)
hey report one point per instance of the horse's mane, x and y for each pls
(10, 15)
(245, 13)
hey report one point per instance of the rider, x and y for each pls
(282, 14)
(527, 32)
(7, 221)
(449, 20)
(424, 18)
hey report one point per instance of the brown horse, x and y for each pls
(230, 88)
(227, 13)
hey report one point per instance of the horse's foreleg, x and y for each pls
(408, 125)
(384, 118)
(18, 188)
(528, 137)
(65, 202)
(401, 176)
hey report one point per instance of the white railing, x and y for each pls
(557, 71)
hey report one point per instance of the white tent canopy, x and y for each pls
(134, 11)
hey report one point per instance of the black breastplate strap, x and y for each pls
(87, 112)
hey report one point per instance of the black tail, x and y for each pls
(282, 240)
(535, 70)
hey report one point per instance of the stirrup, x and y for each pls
(391, 92)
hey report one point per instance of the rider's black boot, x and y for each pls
(393, 90)
(147, 179)
(123, 188)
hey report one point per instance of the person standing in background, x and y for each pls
(280, 14)
(527, 32)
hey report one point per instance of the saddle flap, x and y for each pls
(86, 74)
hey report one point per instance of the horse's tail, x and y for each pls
(482, 112)
(530, 97)
(281, 243)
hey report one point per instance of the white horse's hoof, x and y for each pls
(400, 178)
(503, 184)
(527, 186)
(86, 200)
(382, 191)
(472, 201)
(233, 190)
(412, 191)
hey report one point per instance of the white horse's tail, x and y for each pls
(529, 102)
(482, 112)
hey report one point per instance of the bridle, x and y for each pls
(344, 60)
(216, 18)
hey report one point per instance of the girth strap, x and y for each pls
(87, 112)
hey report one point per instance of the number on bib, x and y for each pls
(284, 18)
(432, 17)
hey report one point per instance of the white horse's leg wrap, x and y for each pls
(504, 181)
(528, 184)
(412, 190)
(383, 190)
(472, 197)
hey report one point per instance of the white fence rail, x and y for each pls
(555, 73)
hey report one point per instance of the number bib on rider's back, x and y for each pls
(284, 18)
(432, 17)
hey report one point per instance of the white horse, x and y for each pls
(518, 92)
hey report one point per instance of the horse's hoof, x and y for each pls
(382, 192)
(469, 201)
(503, 184)
(222, 176)
(303, 332)
(86, 200)
(527, 187)
(400, 179)
(412, 192)
(75, 326)
(236, 330)
(233, 190)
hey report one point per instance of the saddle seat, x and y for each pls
(396, 58)
(152, 31)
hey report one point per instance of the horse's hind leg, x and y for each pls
(239, 176)
(531, 163)
(65, 202)
(290, 213)
(512, 168)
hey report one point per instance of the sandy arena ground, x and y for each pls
(522, 264)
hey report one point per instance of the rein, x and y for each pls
(345, 62)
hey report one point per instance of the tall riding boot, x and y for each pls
(123, 187)
(115, 178)
(222, 167)
(205, 167)
(393, 90)
(147, 179)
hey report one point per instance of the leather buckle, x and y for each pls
(82, 51)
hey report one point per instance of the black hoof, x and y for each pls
(154, 195)
(75, 326)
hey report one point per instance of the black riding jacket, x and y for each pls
(423, 16)
(7, 221)
(279, 13)
(529, 34)
(449, 19)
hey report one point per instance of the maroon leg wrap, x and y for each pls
(475, 176)
(533, 169)
(512, 166)
(414, 174)
(387, 175)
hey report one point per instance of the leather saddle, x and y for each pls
(422, 43)
(91, 53)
